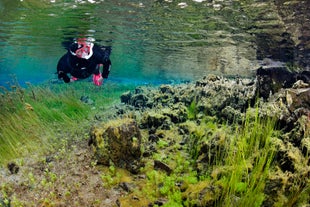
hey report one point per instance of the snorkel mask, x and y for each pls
(82, 48)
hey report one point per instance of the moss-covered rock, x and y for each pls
(201, 122)
(133, 200)
(202, 194)
(154, 119)
(119, 142)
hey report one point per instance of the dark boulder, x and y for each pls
(125, 97)
(272, 79)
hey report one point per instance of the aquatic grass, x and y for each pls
(31, 118)
(194, 143)
(249, 159)
(244, 158)
(200, 135)
(59, 108)
(192, 110)
(18, 132)
(240, 158)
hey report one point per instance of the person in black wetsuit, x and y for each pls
(84, 59)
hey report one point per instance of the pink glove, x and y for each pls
(97, 79)
(73, 78)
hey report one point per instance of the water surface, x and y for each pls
(152, 41)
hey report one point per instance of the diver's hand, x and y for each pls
(63, 76)
(72, 79)
(98, 79)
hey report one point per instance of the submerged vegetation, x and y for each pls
(31, 118)
(234, 177)
(189, 158)
(249, 158)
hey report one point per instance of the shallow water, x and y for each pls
(152, 41)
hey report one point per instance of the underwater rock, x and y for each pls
(133, 200)
(280, 187)
(216, 93)
(125, 97)
(272, 79)
(298, 98)
(177, 115)
(209, 96)
(118, 141)
(203, 193)
(139, 100)
(13, 167)
(305, 147)
(300, 84)
(304, 76)
(192, 109)
(166, 89)
(287, 106)
(87, 100)
(288, 157)
(128, 187)
(160, 202)
(153, 138)
(158, 165)
(272, 187)
(300, 130)
(207, 80)
(231, 114)
(153, 119)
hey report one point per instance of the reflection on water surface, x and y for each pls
(153, 40)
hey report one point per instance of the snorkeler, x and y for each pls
(83, 59)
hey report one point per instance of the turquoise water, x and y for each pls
(152, 41)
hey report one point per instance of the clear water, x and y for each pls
(152, 41)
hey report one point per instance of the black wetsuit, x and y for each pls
(82, 68)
